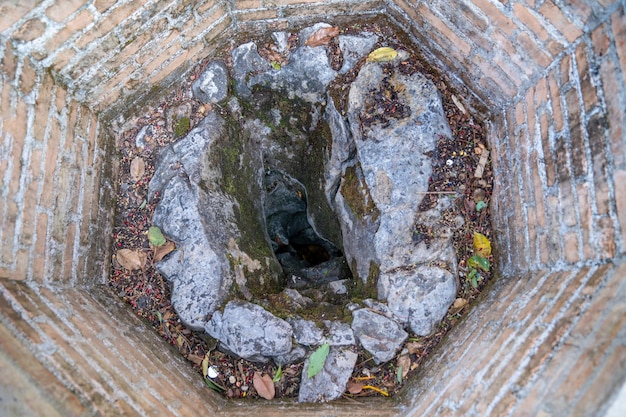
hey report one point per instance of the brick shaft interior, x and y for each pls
(547, 76)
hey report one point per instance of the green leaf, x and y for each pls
(155, 236)
(480, 205)
(474, 281)
(399, 374)
(279, 374)
(478, 262)
(214, 385)
(317, 359)
(276, 65)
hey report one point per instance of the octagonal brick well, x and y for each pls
(547, 76)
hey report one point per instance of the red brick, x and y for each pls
(566, 69)
(618, 24)
(600, 39)
(496, 16)
(605, 237)
(104, 5)
(538, 54)
(12, 12)
(596, 133)
(63, 58)
(541, 92)
(555, 101)
(579, 159)
(257, 15)
(615, 112)
(59, 97)
(39, 253)
(247, 4)
(565, 184)
(586, 221)
(27, 77)
(59, 12)
(553, 13)
(42, 106)
(588, 91)
(570, 247)
(30, 30)
(619, 179)
(438, 24)
(52, 154)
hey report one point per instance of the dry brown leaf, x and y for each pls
(322, 36)
(137, 168)
(131, 259)
(355, 387)
(414, 347)
(161, 251)
(264, 385)
(458, 305)
(405, 362)
(195, 359)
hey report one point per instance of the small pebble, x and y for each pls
(232, 379)
(212, 372)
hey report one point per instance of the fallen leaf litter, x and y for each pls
(461, 170)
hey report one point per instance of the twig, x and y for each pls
(436, 192)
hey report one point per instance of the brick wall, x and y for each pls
(549, 78)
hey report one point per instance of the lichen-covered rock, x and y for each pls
(379, 335)
(331, 381)
(211, 86)
(251, 332)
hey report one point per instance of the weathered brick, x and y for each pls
(192, 32)
(548, 157)
(564, 173)
(495, 74)
(12, 12)
(570, 247)
(247, 4)
(39, 253)
(588, 91)
(554, 237)
(257, 14)
(619, 179)
(104, 26)
(555, 101)
(538, 54)
(439, 25)
(60, 94)
(59, 12)
(496, 16)
(605, 237)
(513, 53)
(618, 25)
(42, 106)
(30, 30)
(537, 188)
(615, 112)
(541, 92)
(553, 13)
(62, 59)
(586, 221)
(579, 158)
(78, 23)
(600, 40)
(28, 76)
(565, 70)
(596, 128)
(104, 5)
(52, 154)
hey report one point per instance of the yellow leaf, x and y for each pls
(205, 365)
(482, 245)
(383, 54)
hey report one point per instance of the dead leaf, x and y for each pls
(161, 251)
(458, 305)
(137, 168)
(131, 259)
(322, 36)
(195, 359)
(355, 387)
(414, 347)
(405, 362)
(264, 385)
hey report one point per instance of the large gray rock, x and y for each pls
(395, 121)
(307, 75)
(251, 332)
(211, 86)
(379, 335)
(331, 381)
(197, 271)
(354, 48)
(246, 60)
